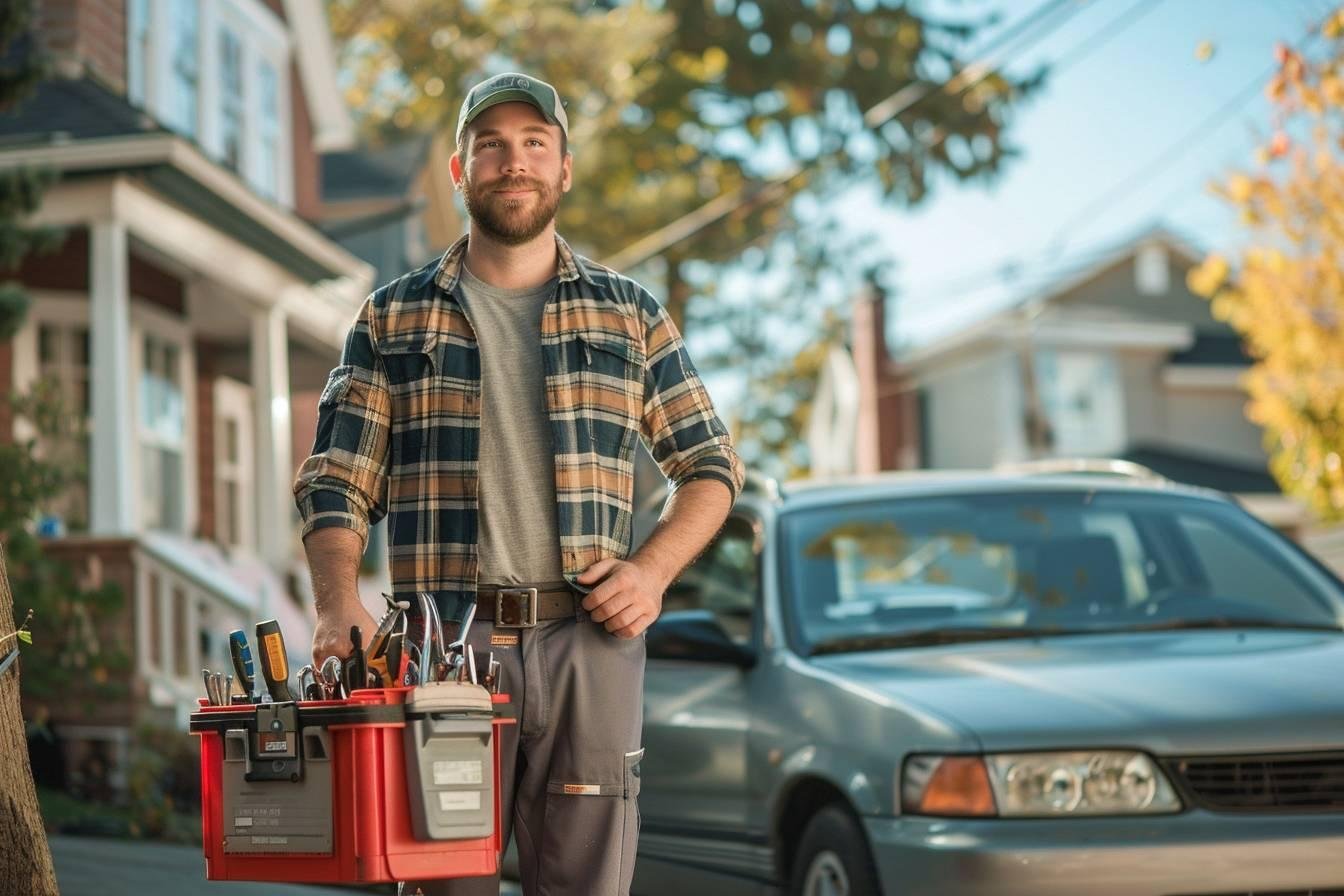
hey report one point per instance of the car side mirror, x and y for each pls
(695, 635)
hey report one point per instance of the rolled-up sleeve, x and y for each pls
(344, 481)
(684, 433)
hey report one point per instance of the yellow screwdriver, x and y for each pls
(274, 660)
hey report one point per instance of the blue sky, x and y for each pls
(1100, 122)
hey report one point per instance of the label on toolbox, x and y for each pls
(460, 801)
(458, 771)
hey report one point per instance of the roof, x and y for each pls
(1042, 293)
(1214, 349)
(368, 172)
(1203, 471)
(78, 109)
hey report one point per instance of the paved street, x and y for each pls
(87, 866)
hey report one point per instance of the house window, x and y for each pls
(138, 50)
(184, 74)
(1080, 392)
(162, 435)
(63, 358)
(231, 99)
(233, 463)
(268, 144)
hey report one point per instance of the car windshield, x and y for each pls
(932, 570)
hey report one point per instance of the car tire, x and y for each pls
(833, 858)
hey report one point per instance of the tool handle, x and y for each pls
(274, 660)
(241, 653)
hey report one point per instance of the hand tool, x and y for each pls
(395, 613)
(391, 658)
(356, 666)
(412, 676)
(471, 664)
(220, 694)
(274, 660)
(9, 659)
(242, 660)
(312, 690)
(464, 626)
(331, 678)
(209, 686)
(431, 650)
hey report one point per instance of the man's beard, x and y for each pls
(512, 222)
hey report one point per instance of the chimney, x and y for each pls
(868, 337)
(887, 433)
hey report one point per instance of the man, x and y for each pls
(488, 404)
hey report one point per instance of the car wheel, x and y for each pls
(833, 858)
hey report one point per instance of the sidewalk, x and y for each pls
(88, 866)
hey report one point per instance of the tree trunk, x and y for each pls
(25, 858)
(678, 292)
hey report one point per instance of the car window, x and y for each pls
(724, 580)
(1232, 570)
(1047, 559)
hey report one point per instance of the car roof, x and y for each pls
(922, 483)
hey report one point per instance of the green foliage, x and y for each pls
(164, 784)
(674, 103)
(70, 660)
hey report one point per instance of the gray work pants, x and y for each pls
(569, 769)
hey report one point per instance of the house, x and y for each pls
(193, 298)
(1117, 359)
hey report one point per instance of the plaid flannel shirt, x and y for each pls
(399, 420)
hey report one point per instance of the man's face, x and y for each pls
(512, 172)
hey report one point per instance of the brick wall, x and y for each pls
(89, 33)
(307, 173)
(206, 371)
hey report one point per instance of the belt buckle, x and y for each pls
(516, 608)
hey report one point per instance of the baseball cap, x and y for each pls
(512, 87)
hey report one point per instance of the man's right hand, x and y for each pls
(332, 635)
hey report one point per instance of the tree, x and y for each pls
(25, 860)
(676, 102)
(1285, 293)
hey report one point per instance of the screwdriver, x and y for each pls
(274, 661)
(242, 661)
(356, 667)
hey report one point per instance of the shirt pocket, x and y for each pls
(612, 381)
(412, 362)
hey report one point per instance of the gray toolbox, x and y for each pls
(450, 761)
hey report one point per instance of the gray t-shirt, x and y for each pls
(519, 541)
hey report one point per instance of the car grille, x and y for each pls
(1264, 783)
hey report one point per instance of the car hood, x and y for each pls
(1170, 692)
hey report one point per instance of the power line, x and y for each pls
(782, 184)
(1054, 248)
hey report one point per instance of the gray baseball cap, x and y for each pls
(512, 87)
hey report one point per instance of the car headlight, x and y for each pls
(1094, 782)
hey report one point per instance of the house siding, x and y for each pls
(964, 423)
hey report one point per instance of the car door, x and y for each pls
(694, 782)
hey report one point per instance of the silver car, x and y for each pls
(1045, 685)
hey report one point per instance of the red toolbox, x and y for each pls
(317, 792)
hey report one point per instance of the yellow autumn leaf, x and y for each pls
(1206, 278)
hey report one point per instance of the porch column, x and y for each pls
(275, 474)
(112, 508)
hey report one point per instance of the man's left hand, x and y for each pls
(628, 598)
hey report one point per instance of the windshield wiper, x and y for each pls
(1219, 622)
(936, 635)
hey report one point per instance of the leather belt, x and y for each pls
(518, 606)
